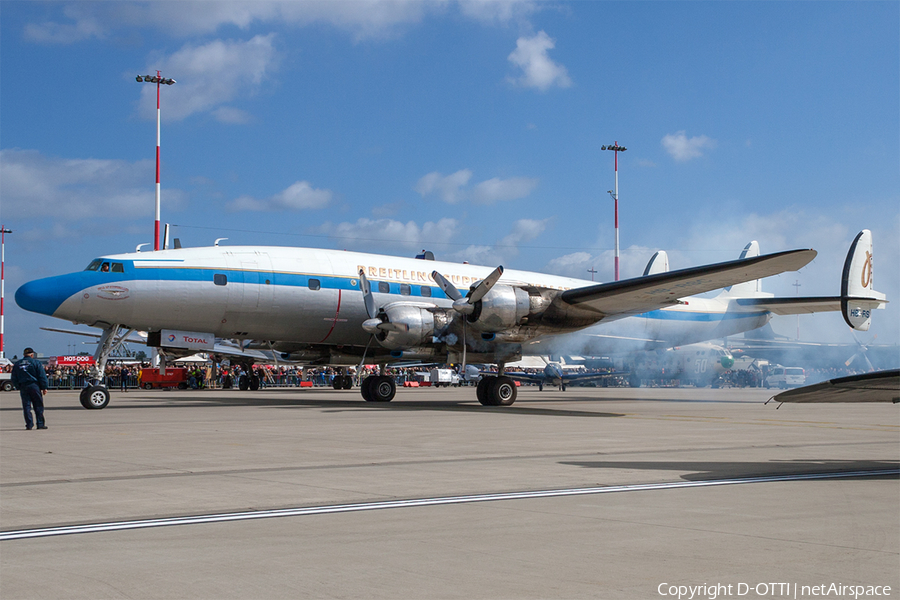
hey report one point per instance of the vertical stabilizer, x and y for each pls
(659, 263)
(748, 289)
(858, 295)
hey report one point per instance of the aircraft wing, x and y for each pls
(793, 306)
(652, 292)
(879, 386)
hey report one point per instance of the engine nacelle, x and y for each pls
(501, 308)
(417, 321)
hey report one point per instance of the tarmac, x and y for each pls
(314, 493)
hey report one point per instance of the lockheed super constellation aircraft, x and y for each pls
(346, 308)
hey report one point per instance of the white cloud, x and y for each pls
(497, 190)
(37, 186)
(387, 233)
(362, 20)
(538, 70)
(209, 76)
(299, 196)
(452, 188)
(683, 149)
(448, 189)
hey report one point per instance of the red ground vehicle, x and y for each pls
(174, 377)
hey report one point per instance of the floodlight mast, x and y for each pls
(157, 80)
(616, 148)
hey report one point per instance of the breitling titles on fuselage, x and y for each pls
(412, 276)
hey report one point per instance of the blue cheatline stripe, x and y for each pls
(680, 315)
(420, 502)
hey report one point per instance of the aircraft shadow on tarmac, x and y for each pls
(331, 401)
(713, 471)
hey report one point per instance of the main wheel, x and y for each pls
(254, 383)
(365, 388)
(244, 383)
(484, 386)
(94, 397)
(503, 392)
(382, 389)
(148, 386)
(346, 382)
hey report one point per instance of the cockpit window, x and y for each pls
(118, 268)
(95, 264)
(105, 267)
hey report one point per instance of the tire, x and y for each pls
(503, 392)
(347, 382)
(148, 386)
(483, 389)
(254, 383)
(382, 389)
(244, 383)
(365, 388)
(182, 386)
(336, 383)
(7, 386)
(94, 397)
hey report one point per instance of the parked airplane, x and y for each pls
(314, 305)
(698, 364)
(559, 374)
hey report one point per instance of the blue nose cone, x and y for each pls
(46, 295)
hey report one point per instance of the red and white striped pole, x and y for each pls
(159, 79)
(3, 232)
(616, 148)
(156, 222)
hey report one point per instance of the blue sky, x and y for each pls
(473, 129)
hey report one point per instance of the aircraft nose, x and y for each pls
(45, 295)
(727, 362)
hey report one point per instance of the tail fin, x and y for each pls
(858, 295)
(659, 263)
(748, 288)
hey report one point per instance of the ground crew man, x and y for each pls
(30, 379)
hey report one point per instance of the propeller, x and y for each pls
(863, 348)
(377, 320)
(466, 305)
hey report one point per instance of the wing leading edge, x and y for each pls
(652, 292)
(880, 386)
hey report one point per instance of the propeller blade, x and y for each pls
(485, 286)
(369, 299)
(445, 284)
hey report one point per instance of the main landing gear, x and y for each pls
(378, 388)
(496, 391)
(491, 390)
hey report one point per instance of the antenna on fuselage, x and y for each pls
(219, 240)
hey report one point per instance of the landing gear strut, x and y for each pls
(96, 395)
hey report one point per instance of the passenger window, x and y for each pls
(315, 284)
(404, 289)
(118, 268)
(220, 279)
(105, 268)
(95, 264)
(384, 287)
(426, 291)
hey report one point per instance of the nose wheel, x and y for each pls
(94, 397)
